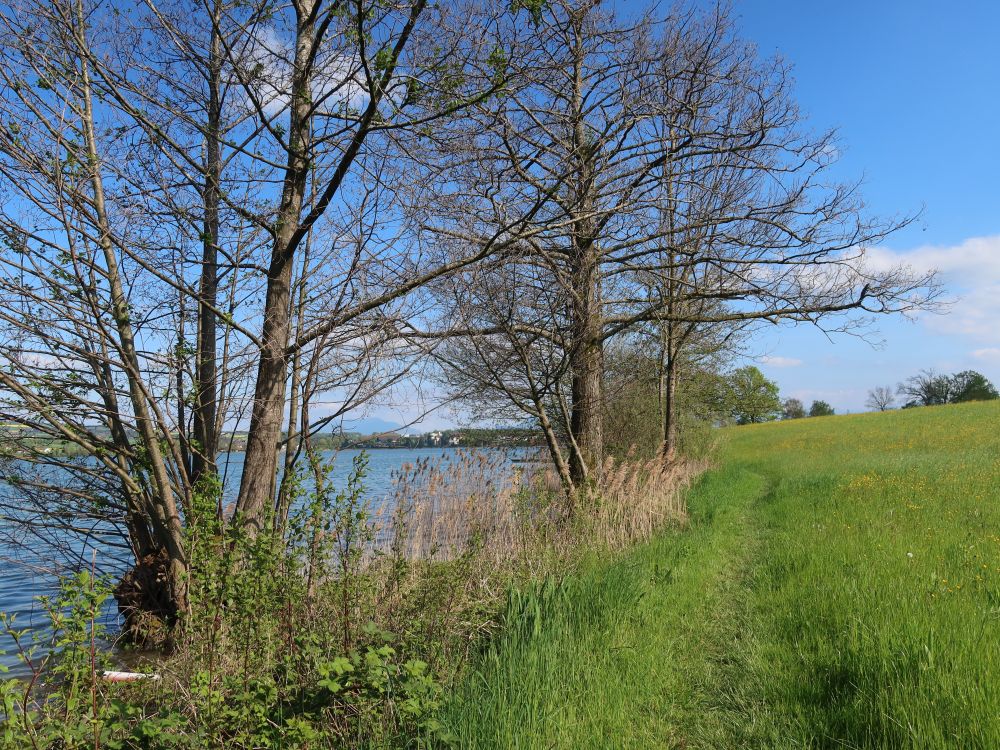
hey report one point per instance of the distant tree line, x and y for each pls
(793, 408)
(707, 397)
(928, 388)
(746, 396)
(501, 437)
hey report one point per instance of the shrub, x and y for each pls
(820, 409)
(340, 629)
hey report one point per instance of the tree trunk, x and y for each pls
(163, 514)
(261, 459)
(292, 443)
(180, 367)
(587, 355)
(587, 407)
(555, 451)
(206, 389)
(295, 436)
(668, 449)
(671, 339)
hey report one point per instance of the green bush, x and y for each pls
(275, 652)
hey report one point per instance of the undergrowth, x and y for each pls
(341, 627)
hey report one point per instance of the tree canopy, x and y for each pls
(821, 409)
(753, 397)
(928, 388)
(792, 408)
(970, 385)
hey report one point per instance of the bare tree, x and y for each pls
(683, 191)
(549, 158)
(927, 388)
(520, 370)
(881, 398)
(744, 230)
(78, 330)
(166, 171)
(404, 63)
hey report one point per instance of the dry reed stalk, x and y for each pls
(636, 499)
(477, 501)
(440, 509)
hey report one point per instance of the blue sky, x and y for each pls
(914, 91)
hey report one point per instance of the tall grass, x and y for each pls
(460, 533)
(876, 611)
(635, 500)
(342, 628)
(838, 586)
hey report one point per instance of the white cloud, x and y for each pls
(991, 353)
(970, 259)
(338, 79)
(970, 272)
(780, 361)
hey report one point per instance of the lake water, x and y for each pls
(21, 584)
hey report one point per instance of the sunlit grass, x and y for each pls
(839, 586)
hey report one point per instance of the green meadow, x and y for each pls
(837, 586)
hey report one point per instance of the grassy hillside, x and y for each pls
(839, 586)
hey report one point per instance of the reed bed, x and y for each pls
(479, 501)
(440, 508)
(457, 535)
(635, 499)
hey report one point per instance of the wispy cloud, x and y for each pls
(989, 354)
(772, 361)
(337, 82)
(970, 272)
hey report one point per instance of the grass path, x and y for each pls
(627, 654)
(838, 587)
